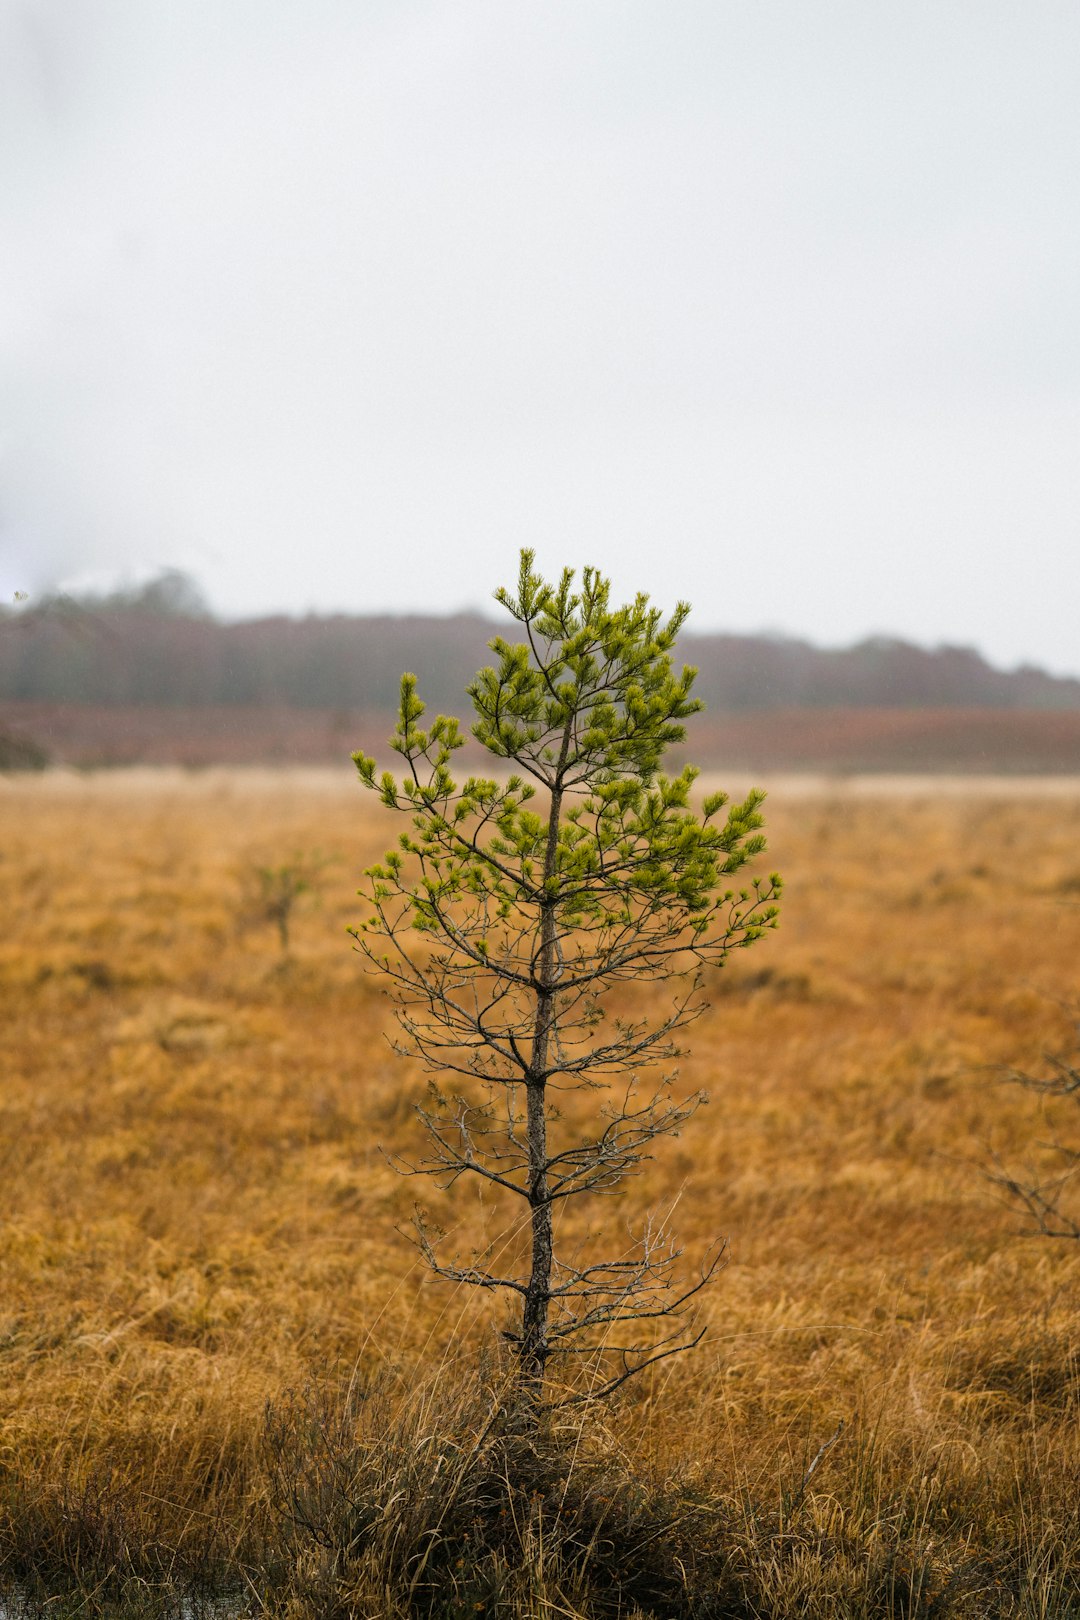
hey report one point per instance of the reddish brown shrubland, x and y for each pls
(196, 1218)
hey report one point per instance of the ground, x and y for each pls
(197, 1215)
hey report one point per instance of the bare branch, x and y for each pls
(1042, 1197)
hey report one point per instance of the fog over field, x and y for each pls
(336, 306)
(531, 1103)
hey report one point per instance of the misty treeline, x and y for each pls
(160, 645)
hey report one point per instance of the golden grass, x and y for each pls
(197, 1216)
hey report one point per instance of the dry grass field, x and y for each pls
(197, 1217)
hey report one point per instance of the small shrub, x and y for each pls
(21, 753)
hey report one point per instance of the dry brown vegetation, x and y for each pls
(837, 740)
(197, 1218)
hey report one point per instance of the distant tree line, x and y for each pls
(160, 645)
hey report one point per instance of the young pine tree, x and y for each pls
(512, 909)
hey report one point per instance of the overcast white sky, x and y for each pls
(336, 303)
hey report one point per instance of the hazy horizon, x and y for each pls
(125, 592)
(334, 308)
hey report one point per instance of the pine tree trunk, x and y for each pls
(535, 1349)
(534, 1341)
